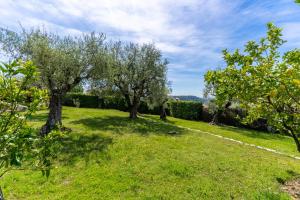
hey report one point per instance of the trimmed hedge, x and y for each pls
(89, 101)
(85, 101)
(114, 103)
(180, 109)
(144, 108)
(119, 103)
(186, 109)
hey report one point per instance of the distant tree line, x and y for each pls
(188, 98)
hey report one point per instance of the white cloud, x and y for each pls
(291, 33)
(191, 33)
(165, 22)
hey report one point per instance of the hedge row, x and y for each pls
(180, 109)
(186, 109)
(85, 101)
(88, 101)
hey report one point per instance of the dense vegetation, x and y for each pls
(186, 109)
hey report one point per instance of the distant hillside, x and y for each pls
(188, 98)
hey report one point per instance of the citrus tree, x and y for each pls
(21, 147)
(263, 81)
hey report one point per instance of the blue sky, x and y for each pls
(190, 33)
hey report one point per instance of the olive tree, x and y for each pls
(264, 82)
(137, 72)
(63, 62)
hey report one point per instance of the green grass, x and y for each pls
(109, 156)
(274, 141)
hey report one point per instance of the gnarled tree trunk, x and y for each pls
(290, 130)
(163, 113)
(54, 115)
(133, 111)
(296, 141)
(1, 194)
(132, 105)
(218, 113)
(216, 116)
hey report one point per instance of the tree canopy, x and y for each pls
(264, 83)
(63, 62)
(137, 72)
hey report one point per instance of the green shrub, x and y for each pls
(186, 109)
(118, 103)
(206, 115)
(108, 102)
(85, 101)
(146, 109)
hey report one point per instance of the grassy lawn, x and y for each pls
(112, 157)
(274, 141)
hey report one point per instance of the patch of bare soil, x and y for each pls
(293, 188)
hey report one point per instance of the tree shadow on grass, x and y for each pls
(75, 147)
(122, 125)
(42, 117)
(156, 118)
(254, 133)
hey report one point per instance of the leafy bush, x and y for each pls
(20, 147)
(111, 102)
(85, 101)
(146, 109)
(186, 109)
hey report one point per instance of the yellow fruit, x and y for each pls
(296, 81)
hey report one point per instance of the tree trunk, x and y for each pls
(215, 119)
(163, 114)
(54, 115)
(218, 113)
(1, 194)
(296, 141)
(133, 111)
(290, 130)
